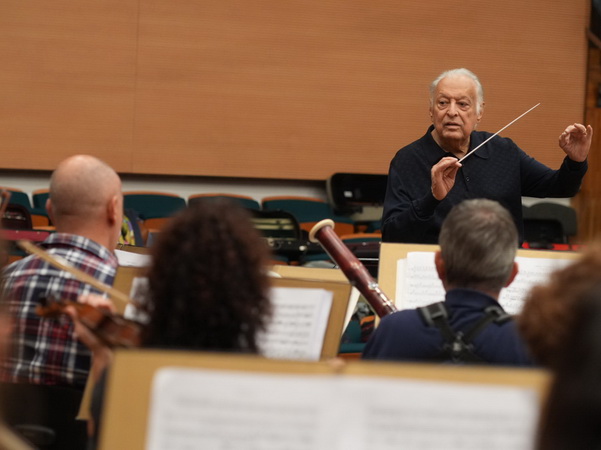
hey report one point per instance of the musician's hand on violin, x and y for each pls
(102, 355)
(98, 301)
(443, 175)
(576, 141)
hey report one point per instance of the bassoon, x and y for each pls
(353, 269)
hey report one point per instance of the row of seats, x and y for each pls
(545, 222)
(153, 207)
(285, 220)
(36, 208)
(156, 207)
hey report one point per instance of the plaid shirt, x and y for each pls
(44, 350)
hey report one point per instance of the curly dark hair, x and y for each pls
(570, 416)
(549, 310)
(208, 284)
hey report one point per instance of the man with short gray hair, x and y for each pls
(478, 243)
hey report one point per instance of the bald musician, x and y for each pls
(426, 178)
(86, 207)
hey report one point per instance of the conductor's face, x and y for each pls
(454, 113)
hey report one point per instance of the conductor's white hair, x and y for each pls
(460, 73)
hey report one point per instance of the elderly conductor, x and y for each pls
(426, 178)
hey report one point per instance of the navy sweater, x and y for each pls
(499, 171)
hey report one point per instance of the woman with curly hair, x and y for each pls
(208, 283)
(570, 417)
(208, 289)
(561, 324)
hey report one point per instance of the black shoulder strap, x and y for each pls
(436, 315)
(492, 314)
(458, 346)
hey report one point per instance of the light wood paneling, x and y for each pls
(588, 201)
(67, 81)
(291, 89)
(270, 89)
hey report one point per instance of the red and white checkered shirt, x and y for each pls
(44, 350)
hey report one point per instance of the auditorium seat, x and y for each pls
(308, 211)
(39, 216)
(39, 197)
(360, 196)
(244, 200)
(154, 208)
(549, 223)
(351, 345)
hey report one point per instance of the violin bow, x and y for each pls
(510, 123)
(4, 201)
(115, 294)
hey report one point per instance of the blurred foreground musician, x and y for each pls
(550, 309)
(478, 244)
(570, 415)
(561, 324)
(46, 367)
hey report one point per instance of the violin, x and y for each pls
(113, 330)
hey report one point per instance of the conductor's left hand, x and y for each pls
(576, 141)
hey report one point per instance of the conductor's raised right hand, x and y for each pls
(443, 176)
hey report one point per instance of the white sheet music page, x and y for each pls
(298, 325)
(393, 414)
(531, 271)
(418, 283)
(220, 410)
(201, 408)
(130, 259)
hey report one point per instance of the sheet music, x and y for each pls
(201, 408)
(392, 414)
(531, 271)
(418, 283)
(299, 323)
(233, 410)
(131, 259)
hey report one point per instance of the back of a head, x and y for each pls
(478, 241)
(80, 187)
(570, 418)
(208, 284)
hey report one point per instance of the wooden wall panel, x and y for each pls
(291, 89)
(67, 81)
(588, 201)
(266, 89)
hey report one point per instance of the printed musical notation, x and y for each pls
(202, 408)
(298, 325)
(418, 283)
